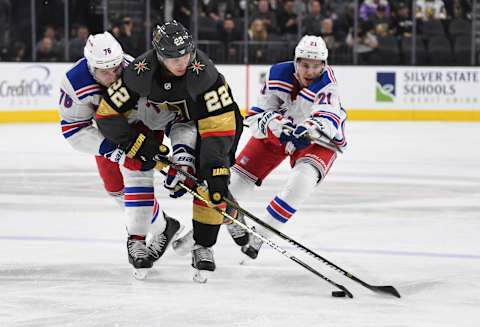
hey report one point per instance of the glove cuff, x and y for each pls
(137, 144)
(183, 158)
(218, 184)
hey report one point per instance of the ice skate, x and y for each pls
(203, 263)
(138, 256)
(253, 247)
(158, 244)
(184, 245)
(238, 233)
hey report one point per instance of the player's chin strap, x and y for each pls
(378, 289)
(273, 245)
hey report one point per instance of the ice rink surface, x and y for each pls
(401, 207)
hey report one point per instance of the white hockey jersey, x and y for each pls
(281, 94)
(80, 95)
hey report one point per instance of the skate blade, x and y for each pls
(184, 245)
(201, 276)
(140, 273)
(245, 260)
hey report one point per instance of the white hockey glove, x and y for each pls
(267, 122)
(183, 157)
(173, 179)
(117, 155)
(318, 131)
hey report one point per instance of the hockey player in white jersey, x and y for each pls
(298, 115)
(80, 94)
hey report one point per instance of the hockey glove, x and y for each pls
(266, 125)
(183, 157)
(297, 140)
(286, 132)
(147, 149)
(217, 182)
(174, 178)
(116, 154)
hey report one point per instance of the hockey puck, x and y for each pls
(339, 294)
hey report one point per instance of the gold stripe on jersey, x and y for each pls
(221, 125)
(105, 110)
(206, 214)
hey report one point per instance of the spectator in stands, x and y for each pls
(267, 15)
(78, 43)
(336, 6)
(461, 9)
(115, 30)
(234, 7)
(55, 47)
(312, 23)
(287, 20)
(381, 22)
(366, 44)
(369, 8)
(182, 12)
(209, 8)
(229, 33)
(329, 37)
(45, 50)
(258, 33)
(303, 7)
(431, 10)
(127, 38)
(19, 51)
(5, 7)
(401, 24)
(345, 21)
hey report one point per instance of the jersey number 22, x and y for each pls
(118, 93)
(218, 99)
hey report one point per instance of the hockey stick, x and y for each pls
(264, 239)
(329, 145)
(378, 289)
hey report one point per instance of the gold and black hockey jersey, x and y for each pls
(202, 95)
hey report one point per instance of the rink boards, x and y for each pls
(29, 92)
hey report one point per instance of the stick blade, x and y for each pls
(343, 288)
(386, 290)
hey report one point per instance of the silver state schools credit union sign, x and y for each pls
(457, 87)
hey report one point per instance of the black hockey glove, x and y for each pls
(147, 149)
(217, 181)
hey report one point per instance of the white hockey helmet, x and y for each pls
(103, 51)
(311, 47)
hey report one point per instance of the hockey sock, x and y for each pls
(302, 181)
(158, 222)
(138, 209)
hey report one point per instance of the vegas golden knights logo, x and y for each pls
(179, 107)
